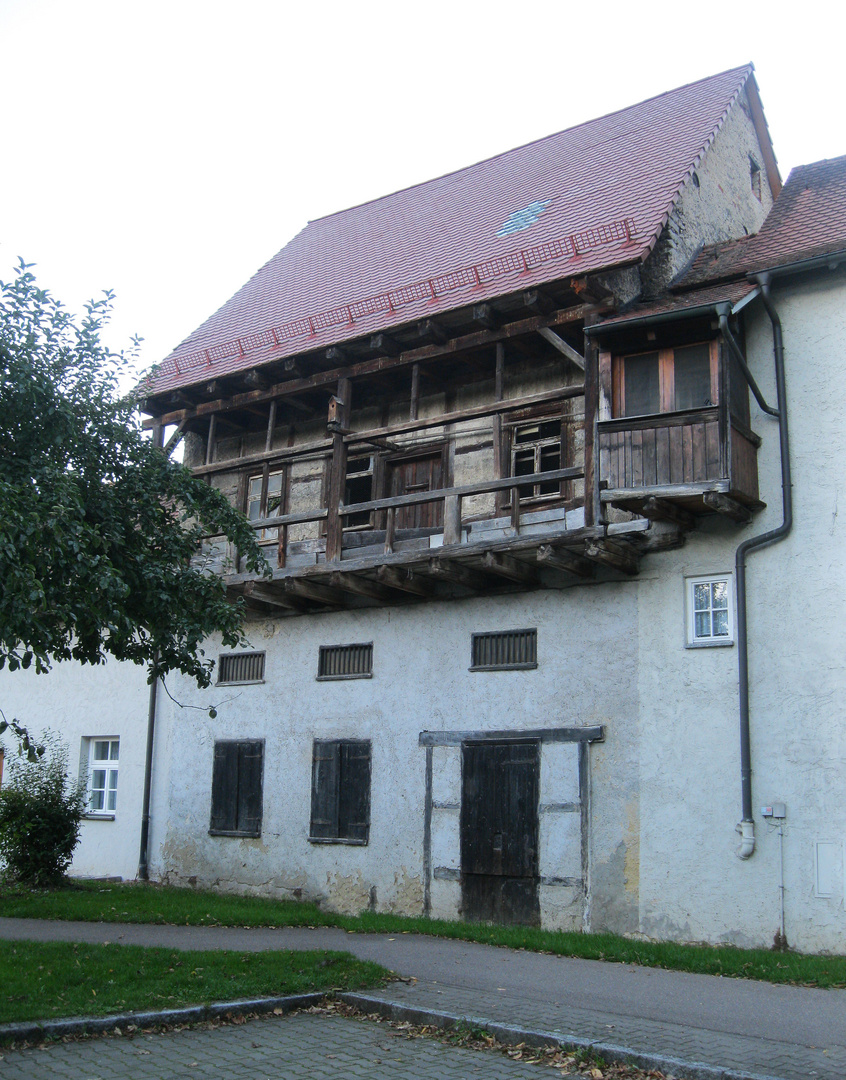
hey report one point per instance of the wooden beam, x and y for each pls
(559, 558)
(379, 364)
(385, 345)
(664, 510)
(405, 580)
(561, 345)
(415, 392)
(313, 590)
(256, 591)
(175, 438)
(612, 554)
(336, 355)
(508, 567)
(458, 574)
(485, 315)
(255, 379)
(429, 330)
(361, 586)
(725, 504)
(538, 301)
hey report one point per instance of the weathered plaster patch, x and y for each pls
(612, 905)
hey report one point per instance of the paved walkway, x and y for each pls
(297, 1047)
(741, 1027)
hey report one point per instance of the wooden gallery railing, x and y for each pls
(452, 499)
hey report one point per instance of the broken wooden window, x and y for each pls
(266, 498)
(340, 791)
(345, 661)
(505, 650)
(359, 488)
(240, 668)
(536, 448)
(236, 802)
(666, 380)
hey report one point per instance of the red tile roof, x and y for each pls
(808, 220)
(593, 196)
(730, 292)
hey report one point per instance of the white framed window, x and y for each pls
(710, 610)
(104, 756)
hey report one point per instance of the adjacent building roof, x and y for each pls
(807, 221)
(592, 197)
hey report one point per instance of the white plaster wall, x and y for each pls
(79, 701)
(691, 884)
(421, 682)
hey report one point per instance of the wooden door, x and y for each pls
(418, 474)
(499, 832)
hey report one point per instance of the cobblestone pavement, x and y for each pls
(301, 1046)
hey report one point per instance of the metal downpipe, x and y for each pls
(143, 868)
(746, 828)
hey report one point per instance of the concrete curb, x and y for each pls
(38, 1030)
(691, 1070)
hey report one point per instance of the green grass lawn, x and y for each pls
(48, 980)
(98, 901)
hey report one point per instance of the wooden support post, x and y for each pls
(390, 517)
(499, 389)
(515, 509)
(558, 342)
(334, 520)
(593, 507)
(158, 435)
(271, 424)
(415, 392)
(210, 441)
(452, 519)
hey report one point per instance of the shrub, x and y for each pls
(40, 814)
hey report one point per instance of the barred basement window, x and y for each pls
(506, 650)
(240, 668)
(346, 661)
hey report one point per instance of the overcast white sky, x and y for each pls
(166, 150)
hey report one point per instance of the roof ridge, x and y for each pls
(746, 69)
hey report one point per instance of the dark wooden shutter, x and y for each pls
(250, 759)
(354, 792)
(224, 787)
(325, 777)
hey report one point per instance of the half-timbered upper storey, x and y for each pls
(408, 400)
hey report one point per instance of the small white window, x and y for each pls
(710, 611)
(103, 775)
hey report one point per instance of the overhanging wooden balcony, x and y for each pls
(535, 546)
(696, 460)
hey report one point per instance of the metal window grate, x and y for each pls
(240, 668)
(505, 650)
(345, 661)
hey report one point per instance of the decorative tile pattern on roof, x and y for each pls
(627, 166)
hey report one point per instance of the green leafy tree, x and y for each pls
(99, 529)
(41, 809)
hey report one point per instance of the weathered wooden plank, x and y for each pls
(700, 471)
(687, 454)
(676, 455)
(712, 451)
(650, 474)
(508, 567)
(551, 734)
(662, 455)
(635, 466)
